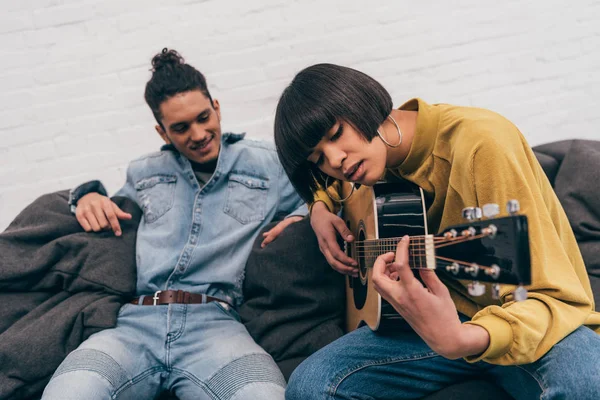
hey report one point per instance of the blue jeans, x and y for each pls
(397, 364)
(197, 351)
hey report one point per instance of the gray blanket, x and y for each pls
(58, 285)
(573, 167)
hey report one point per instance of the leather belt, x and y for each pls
(162, 297)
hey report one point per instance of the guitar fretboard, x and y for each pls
(421, 251)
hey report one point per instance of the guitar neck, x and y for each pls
(421, 251)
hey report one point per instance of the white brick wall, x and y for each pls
(72, 73)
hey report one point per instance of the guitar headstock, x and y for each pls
(487, 248)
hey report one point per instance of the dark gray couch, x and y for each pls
(295, 302)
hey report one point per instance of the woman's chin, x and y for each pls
(367, 182)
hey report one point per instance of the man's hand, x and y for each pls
(96, 213)
(326, 226)
(428, 309)
(272, 233)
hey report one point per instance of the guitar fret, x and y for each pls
(421, 253)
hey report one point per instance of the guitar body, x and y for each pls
(483, 249)
(385, 210)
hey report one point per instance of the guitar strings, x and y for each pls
(375, 247)
(449, 260)
(375, 244)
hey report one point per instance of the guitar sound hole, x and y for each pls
(362, 262)
(359, 284)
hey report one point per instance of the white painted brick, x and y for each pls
(16, 80)
(12, 40)
(73, 71)
(64, 14)
(19, 58)
(25, 133)
(40, 151)
(52, 35)
(15, 21)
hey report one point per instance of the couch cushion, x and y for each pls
(293, 300)
(549, 165)
(577, 187)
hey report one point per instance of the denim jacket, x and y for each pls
(198, 239)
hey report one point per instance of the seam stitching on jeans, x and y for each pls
(137, 379)
(179, 332)
(538, 379)
(196, 381)
(333, 389)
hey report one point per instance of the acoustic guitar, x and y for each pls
(486, 248)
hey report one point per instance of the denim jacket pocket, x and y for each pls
(246, 197)
(156, 195)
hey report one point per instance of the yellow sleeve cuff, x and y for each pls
(501, 337)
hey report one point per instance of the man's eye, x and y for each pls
(337, 133)
(180, 129)
(202, 118)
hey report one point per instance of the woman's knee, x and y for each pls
(310, 380)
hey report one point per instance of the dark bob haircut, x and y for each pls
(309, 107)
(171, 76)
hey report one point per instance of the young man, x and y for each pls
(334, 123)
(204, 197)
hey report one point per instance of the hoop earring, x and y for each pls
(399, 134)
(338, 200)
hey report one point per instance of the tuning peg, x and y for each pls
(495, 291)
(451, 234)
(454, 268)
(476, 289)
(490, 210)
(468, 213)
(493, 271)
(473, 269)
(520, 293)
(513, 206)
(471, 213)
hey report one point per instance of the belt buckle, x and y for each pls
(155, 297)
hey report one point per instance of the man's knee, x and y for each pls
(86, 373)
(260, 390)
(77, 385)
(248, 374)
(571, 368)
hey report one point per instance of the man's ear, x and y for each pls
(162, 134)
(217, 108)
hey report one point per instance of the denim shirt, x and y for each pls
(198, 238)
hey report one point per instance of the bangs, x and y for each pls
(300, 124)
(309, 107)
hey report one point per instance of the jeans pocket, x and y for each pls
(246, 197)
(156, 195)
(227, 310)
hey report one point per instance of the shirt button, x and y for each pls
(181, 267)
(198, 209)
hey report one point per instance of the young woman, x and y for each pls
(337, 124)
